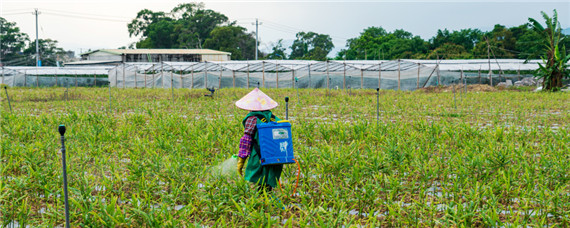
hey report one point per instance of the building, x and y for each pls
(117, 56)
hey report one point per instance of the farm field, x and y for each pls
(146, 159)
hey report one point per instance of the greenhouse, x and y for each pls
(55, 76)
(385, 74)
(404, 74)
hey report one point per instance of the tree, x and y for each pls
(312, 46)
(12, 43)
(234, 39)
(49, 53)
(277, 51)
(467, 38)
(186, 26)
(449, 51)
(377, 43)
(553, 69)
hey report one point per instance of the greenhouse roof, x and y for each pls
(87, 70)
(336, 65)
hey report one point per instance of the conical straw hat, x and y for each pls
(256, 101)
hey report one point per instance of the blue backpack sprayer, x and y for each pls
(276, 143)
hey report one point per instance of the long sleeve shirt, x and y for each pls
(246, 141)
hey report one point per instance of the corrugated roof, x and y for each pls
(162, 51)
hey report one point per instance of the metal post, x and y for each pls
(153, 78)
(181, 78)
(309, 70)
(438, 78)
(293, 78)
(161, 72)
(328, 76)
(287, 108)
(123, 76)
(8, 97)
(110, 108)
(361, 78)
(172, 83)
(461, 78)
(379, 75)
(192, 78)
(61, 129)
(263, 73)
(398, 74)
(377, 106)
(205, 74)
(220, 79)
(418, 81)
(234, 78)
(454, 101)
(135, 76)
(479, 72)
(25, 78)
(277, 76)
(76, 80)
(344, 77)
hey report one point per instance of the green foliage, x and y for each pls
(13, 43)
(311, 45)
(49, 52)
(499, 159)
(277, 51)
(16, 48)
(376, 43)
(188, 25)
(234, 39)
(554, 66)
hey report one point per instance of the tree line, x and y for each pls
(191, 25)
(16, 48)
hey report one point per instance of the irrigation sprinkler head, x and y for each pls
(61, 129)
(286, 99)
(377, 89)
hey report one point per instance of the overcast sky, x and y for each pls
(80, 25)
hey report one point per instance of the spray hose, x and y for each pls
(297, 183)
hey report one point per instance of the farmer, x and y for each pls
(259, 105)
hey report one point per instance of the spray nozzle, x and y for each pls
(286, 99)
(61, 129)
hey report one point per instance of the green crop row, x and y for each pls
(151, 158)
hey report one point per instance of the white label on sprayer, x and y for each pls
(283, 146)
(280, 133)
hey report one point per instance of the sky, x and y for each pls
(80, 25)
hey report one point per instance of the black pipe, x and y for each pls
(6, 89)
(287, 108)
(377, 106)
(61, 129)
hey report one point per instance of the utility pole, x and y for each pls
(256, 35)
(36, 12)
(489, 59)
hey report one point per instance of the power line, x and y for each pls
(86, 14)
(84, 17)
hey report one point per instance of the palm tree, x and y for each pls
(553, 69)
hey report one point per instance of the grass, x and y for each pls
(498, 159)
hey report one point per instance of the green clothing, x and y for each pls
(255, 172)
